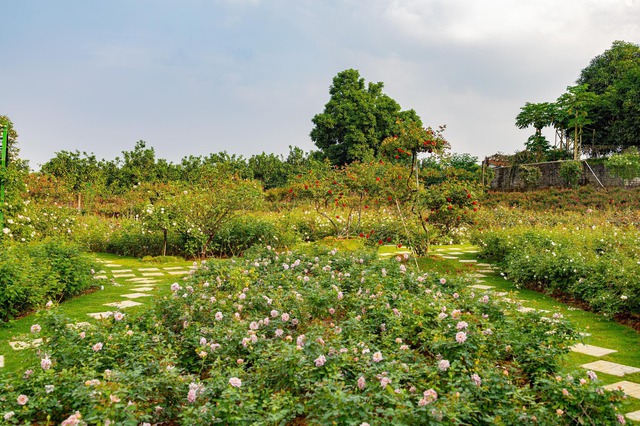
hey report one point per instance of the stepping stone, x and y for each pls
(478, 276)
(19, 345)
(112, 265)
(500, 293)
(633, 416)
(178, 272)
(611, 368)
(468, 261)
(173, 268)
(143, 288)
(135, 295)
(100, 277)
(481, 286)
(100, 315)
(486, 271)
(395, 254)
(125, 304)
(119, 271)
(585, 334)
(630, 388)
(1, 361)
(448, 257)
(485, 265)
(136, 279)
(153, 274)
(123, 275)
(591, 350)
(525, 309)
(148, 269)
(456, 252)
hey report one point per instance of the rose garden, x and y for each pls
(364, 284)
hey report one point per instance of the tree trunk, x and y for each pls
(164, 242)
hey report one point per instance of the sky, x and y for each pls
(194, 77)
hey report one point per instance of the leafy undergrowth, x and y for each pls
(313, 337)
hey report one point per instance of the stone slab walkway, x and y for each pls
(611, 368)
(591, 350)
(1, 361)
(629, 388)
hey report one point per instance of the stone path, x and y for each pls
(483, 270)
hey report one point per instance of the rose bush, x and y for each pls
(314, 337)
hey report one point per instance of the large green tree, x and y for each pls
(615, 77)
(357, 118)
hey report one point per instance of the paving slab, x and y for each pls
(611, 368)
(172, 268)
(500, 293)
(525, 309)
(456, 252)
(153, 274)
(124, 304)
(143, 288)
(1, 361)
(591, 350)
(485, 265)
(468, 261)
(478, 276)
(123, 275)
(120, 271)
(100, 277)
(178, 272)
(635, 416)
(112, 265)
(135, 295)
(481, 286)
(486, 271)
(585, 334)
(19, 345)
(148, 269)
(142, 281)
(101, 315)
(630, 388)
(449, 257)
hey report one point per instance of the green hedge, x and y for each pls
(32, 274)
(599, 267)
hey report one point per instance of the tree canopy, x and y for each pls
(357, 118)
(603, 104)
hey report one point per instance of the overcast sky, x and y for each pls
(192, 77)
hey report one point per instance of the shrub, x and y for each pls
(529, 175)
(594, 266)
(315, 338)
(35, 273)
(571, 172)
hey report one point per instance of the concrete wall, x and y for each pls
(506, 178)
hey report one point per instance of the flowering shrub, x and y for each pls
(592, 264)
(309, 338)
(31, 274)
